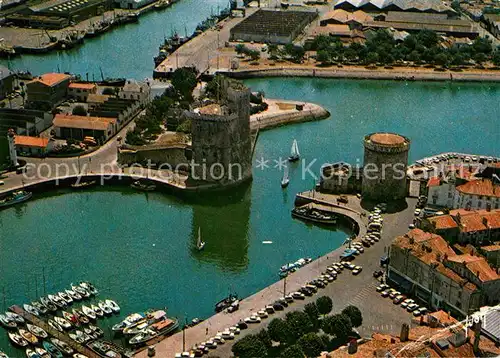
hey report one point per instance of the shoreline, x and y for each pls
(357, 72)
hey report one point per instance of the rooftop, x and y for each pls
(95, 123)
(214, 109)
(491, 248)
(476, 265)
(434, 181)
(78, 85)
(443, 222)
(27, 141)
(482, 187)
(387, 139)
(51, 79)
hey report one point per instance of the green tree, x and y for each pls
(480, 58)
(298, 324)
(324, 304)
(354, 315)
(428, 38)
(482, 45)
(79, 110)
(292, 351)
(441, 59)
(184, 81)
(312, 311)
(240, 49)
(372, 57)
(278, 330)
(296, 53)
(273, 51)
(496, 58)
(254, 55)
(311, 344)
(323, 56)
(338, 325)
(264, 337)
(184, 127)
(249, 347)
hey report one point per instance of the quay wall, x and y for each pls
(362, 73)
(166, 155)
(269, 121)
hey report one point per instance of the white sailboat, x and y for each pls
(285, 180)
(200, 244)
(295, 155)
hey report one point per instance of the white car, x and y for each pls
(262, 314)
(252, 319)
(382, 287)
(407, 302)
(417, 212)
(412, 307)
(357, 270)
(360, 248)
(393, 294)
(411, 226)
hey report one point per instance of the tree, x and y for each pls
(278, 330)
(482, 45)
(354, 315)
(79, 110)
(428, 38)
(249, 347)
(298, 324)
(338, 325)
(312, 311)
(480, 57)
(264, 337)
(311, 344)
(324, 304)
(240, 49)
(293, 351)
(296, 53)
(254, 55)
(372, 58)
(323, 56)
(441, 59)
(414, 56)
(184, 81)
(184, 127)
(496, 58)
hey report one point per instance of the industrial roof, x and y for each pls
(491, 324)
(421, 5)
(83, 122)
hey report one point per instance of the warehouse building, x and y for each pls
(79, 127)
(426, 6)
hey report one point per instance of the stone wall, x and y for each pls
(167, 157)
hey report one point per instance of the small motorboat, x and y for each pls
(105, 308)
(140, 328)
(3, 355)
(17, 339)
(78, 338)
(40, 307)
(143, 337)
(78, 355)
(96, 330)
(225, 303)
(99, 312)
(90, 333)
(112, 304)
(7, 322)
(142, 186)
(28, 336)
(89, 287)
(62, 346)
(31, 353)
(48, 304)
(55, 325)
(37, 331)
(83, 319)
(30, 309)
(58, 301)
(62, 322)
(71, 318)
(74, 295)
(53, 350)
(82, 291)
(129, 321)
(42, 353)
(14, 316)
(88, 312)
(65, 297)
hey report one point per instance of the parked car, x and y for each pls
(382, 287)
(305, 291)
(269, 309)
(253, 319)
(357, 270)
(378, 273)
(385, 293)
(262, 314)
(412, 307)
(298, 296)
(398, 299)
(393, 294)
(242, 325)
(407, 302)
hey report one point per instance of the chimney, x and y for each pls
(352, 346)
(405, 330)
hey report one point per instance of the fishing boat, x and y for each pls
(62, 322)
(285, 180)
(165, 325)
(39, 307)
(83, 319)
(42, 353)
(53, 350)
(55, 325)
(16, 197)
(295, 155)
(307, 213)
(48, 304)
(65, 297)
(37, 331)
(88, 312)
(143, 337)
(71, 318)
(58, 301)
(62, 346)
(199, 243)
(130, 321)
(142, 186)
(226, 302)
(30, 309)
(74, 295)
(105, 308)
(83, 184)
(28, 336)
(14, 316)
(89, 287)
(113, 305)
(99, 312)
(17, 339)
(82, 291)
(106, 349)
(7, 322)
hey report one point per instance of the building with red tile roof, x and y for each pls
(32, 145)
(48, 90)
(81, 91)
(79, 127)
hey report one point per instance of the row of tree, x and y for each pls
(302, 333)
(423, 47)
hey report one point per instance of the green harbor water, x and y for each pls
(139, 248)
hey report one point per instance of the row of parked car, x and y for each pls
(399, 299)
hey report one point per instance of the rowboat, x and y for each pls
(30, 309)
(62, 322)
(65, 297)
(27, 335)
(83, 319)
(17, 339)
(55, 325)
(7, 322)
(40, 307)
(99, 312)
(42, 353)
(62, 346)
(88, 312)
(74, 295)
(53, 350)
(112, 304)
(14, 316)
(37, 331)
(105, 308)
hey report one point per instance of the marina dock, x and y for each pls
(54, 333)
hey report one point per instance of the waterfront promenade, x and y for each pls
(379, 314)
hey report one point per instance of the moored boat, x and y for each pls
(98, 311)
(83, 184)
(77, 337)
(14, 316)
(113, 305)
(7, 322)
(37, 331)
(142, 186)
(129, 321)
(82, 318)
(16, 197)
(226, 302)
(65, 297)
(39, 307)
(55, 325)
(105, 308)
(97, 330)
(17, 339)
(62, 346)
(58, 301)
(62, 322)
(106, 349)
(74, 295)
(78, 355)
(30, 353)
(88, 312)
(143, 337)
(52, 349)
(28, 336)
(89, 287)
(71, 318)
(42, 353)
(82, 291)
(30, 309)
(48, 304)
(3, 355)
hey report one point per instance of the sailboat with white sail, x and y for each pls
(285, 180)
(295, 155)
(200, 244)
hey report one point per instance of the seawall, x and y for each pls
(401, 74)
